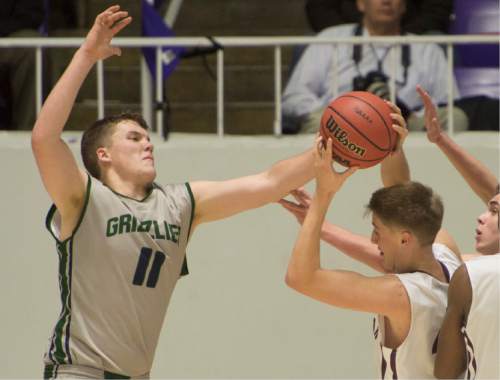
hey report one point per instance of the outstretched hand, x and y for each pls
(107, 24)
(432, 125)
(300, 208)
(328, 180)
(399, 125)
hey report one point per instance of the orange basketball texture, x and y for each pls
(360, 126)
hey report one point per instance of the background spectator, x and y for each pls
(366, 68)
(422, 16)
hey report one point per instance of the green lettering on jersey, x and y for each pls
(158, 234)
(125, 223)
(144, 226)
(128, 223)
(175, 232)
(112, 227)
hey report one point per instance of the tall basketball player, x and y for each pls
(121, 238)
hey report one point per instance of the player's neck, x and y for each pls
(382, 29)
(427, 263)
(128, 188)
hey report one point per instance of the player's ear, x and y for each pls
(405, 237)
(103, 155)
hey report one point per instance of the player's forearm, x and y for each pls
(290, 174)
(56, 109)
(355, 246)
(481, 180)
(305, 259)
(394, 169)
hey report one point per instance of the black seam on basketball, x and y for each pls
(357, 130)
(387, 128)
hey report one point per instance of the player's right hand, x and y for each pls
(97, 44)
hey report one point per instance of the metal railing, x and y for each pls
(249, 42)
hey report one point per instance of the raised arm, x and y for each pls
(480, 179)
(451, 357)
(60, 174)
(394, 169)
(336, 287)
(218, 200)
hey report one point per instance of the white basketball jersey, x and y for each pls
(116, 275)
(482, 332)
(414, 358)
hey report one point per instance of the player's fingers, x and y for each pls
(401, 131)
(398, 119)
(101, 17)
(393, 106)
(292, 207)
(121, 24)
(349, 172)
(329, 150)
(300, 199)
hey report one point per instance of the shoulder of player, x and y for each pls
(460, 290)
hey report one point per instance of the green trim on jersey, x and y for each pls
(50, 371)
(59, 348)
(150, 191)
(188, 186)
(110, 375)
(53, 210)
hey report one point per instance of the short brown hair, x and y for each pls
(97, 135)
(411, 205)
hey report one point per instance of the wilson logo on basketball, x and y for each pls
(341, 136)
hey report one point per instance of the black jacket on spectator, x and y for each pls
(421, 15)
(20, 14)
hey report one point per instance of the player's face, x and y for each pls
(131, 152)
(382, 11)
(487, 231)
(388, 241)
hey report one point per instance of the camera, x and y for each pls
(374, 82)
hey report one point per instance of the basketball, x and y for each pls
(360, 126)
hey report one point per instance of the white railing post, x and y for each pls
(335, 77)
(159, 92)
(451, 96)
(277, 91)
(220, 93)
(38, 76)
(100, 89)
(392, 76)
(146, 93)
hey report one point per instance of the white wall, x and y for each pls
(233, 316)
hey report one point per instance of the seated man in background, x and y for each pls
(366, 68)
(421, 16)
(18, 18)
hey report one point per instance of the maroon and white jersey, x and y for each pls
(414, 358)
(482, 331)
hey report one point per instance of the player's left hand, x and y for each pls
(328, 180)
(399, 125)
(97, 44)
